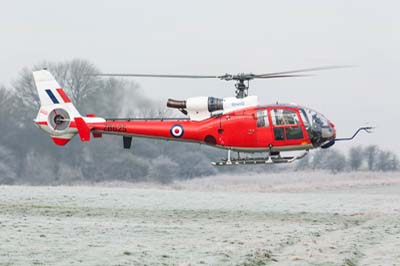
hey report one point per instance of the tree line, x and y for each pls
(358, 158)
(28, 156)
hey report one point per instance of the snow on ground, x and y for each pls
(272, 219)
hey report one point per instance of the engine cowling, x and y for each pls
(198, 108)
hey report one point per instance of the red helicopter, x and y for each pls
(236, 124)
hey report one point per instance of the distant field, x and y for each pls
(279, 219)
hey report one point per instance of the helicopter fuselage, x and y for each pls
(253, 129)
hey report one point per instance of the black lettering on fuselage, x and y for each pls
(115, 128)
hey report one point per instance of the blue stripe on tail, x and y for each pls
(52, 97)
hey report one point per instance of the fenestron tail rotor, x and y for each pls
(241, 86)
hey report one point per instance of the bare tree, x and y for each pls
(356, 158)
(9, 120)
(74, 76)
(328, 159)
(371, 155)
(25, 89)
(394, 162)
(8, 165)
(5, 96)
(116, 98)
(387, 161)
(335, 161)
(318, 159)
(7, 101)
(303, 164)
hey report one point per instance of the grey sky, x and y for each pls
(214, 37)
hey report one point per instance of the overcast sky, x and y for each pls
(215, 37)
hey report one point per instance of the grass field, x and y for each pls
(281, 219)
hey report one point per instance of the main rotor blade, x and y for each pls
(275, 74)
(158, 76)
(282, 76)
(228, 77)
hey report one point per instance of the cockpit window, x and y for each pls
(313, 119)
(282, 117)
(317, 126)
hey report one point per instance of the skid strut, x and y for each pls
(258, 160)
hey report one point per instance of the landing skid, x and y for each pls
(258, 160)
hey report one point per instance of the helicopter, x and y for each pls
(237, 124)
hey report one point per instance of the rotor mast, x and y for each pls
(242, 90)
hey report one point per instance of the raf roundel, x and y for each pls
(177, 131)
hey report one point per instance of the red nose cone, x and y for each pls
(334, 129)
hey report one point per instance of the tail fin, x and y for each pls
(57, 115)
(51, 93)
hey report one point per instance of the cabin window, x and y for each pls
(282, 117)
(279, 133)
(286, 124)
(289, 132)
(294, 133)
(262, 118)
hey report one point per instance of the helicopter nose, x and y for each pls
(328, 132)
(328, 135)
